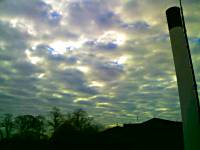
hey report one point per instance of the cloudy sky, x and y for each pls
(112, 58)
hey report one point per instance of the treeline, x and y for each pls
(78, 131)
(46, 128)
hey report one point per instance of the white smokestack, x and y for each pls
(185, 78)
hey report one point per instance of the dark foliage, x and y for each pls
(77, 129)
(29, 126)
(7, 124)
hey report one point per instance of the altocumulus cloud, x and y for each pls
(112, 58)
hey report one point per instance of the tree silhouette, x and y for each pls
(80, 121)
(30, 126)
(57, 118)
(1, 135)
(78, 129)
(7, 124)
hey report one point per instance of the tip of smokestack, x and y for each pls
(174, 17)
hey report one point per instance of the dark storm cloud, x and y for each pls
(107, 19)
(22, 7)
(5, 71)
(107, 46)
(58, 58)
(139, 26)
(71, 76)
(65, 59)
(5, 57)
(108, 71)
(95, 45)
(92, 13)
(8, 34)
(102, 99)
(25, 68)
(72, 59)
(73, 79)
(47, 52)
(86, 103)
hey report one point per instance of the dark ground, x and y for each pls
(154, 134)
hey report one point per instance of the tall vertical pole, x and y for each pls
(187, 87)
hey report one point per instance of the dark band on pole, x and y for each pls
(174, 17)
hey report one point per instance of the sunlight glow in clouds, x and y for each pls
(23, 25)
(33, 59)
(97, 84)
(83, 69)
(61, 47)
(41, 75)
(121, 60)
(112, 36)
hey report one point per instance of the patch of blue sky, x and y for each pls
(50, 49)
(55, 17)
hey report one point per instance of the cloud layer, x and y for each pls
(112, 58)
